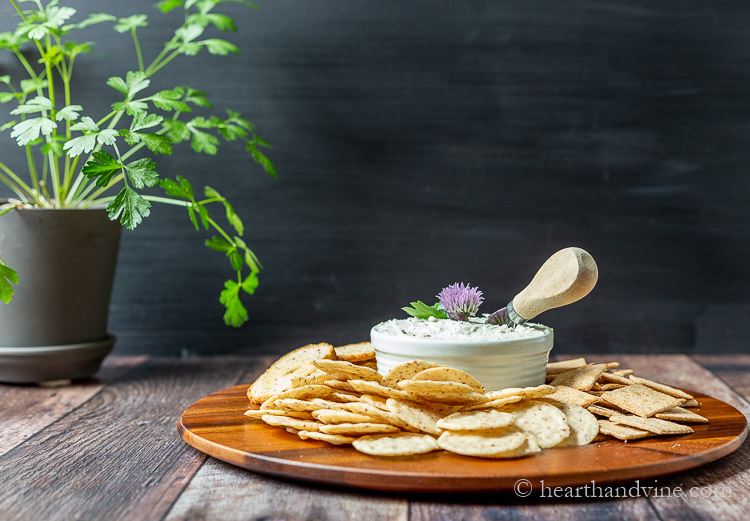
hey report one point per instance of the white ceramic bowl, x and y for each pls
(497, 364)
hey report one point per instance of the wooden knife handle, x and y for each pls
(567, 276)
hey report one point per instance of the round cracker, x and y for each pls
(355, 352)
(278, 377)
(545, 422)
(369, 387)
(340, 385)
(332, 416)
(489, 444)
(477, 420)
(333, 439)
(414, 415)
(294, 423)
(405, 371)
(414, 386)
(449, 374)
(258, 414)
(394, 445)
(299, 393)
(583, 425)
(526, 392)
(358, 428)
(495, 404)
(377, 414)
(450, 398)
(354, 371)
(292, 404)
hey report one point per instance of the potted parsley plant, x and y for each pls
(87, 175)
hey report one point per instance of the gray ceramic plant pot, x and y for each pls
(55, 327)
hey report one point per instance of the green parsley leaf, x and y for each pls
(132, 107)
(180, 188)
(80, 145)
(101, 167)
(141, 172)
(7, 276)
(156, 143)
(28, 86)
(419, 309)
(236, 314)
(260, 158)
(27, 131)
(129, 207)
(232, 216)
(37, 104)
(118, 84)
(169, 100)
(131, 22)
(86, 124)
(143, 121)
(69, 113)
(219, 46)
(8, 125)
(250, 284)
(218, 244)
(168, 5)
(96, 18)
(221, 21)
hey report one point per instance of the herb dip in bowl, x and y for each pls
(499, 356)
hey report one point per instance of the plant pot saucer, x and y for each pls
(41, 364)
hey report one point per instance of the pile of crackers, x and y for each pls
(336, 395)
(634, 407)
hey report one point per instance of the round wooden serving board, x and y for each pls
(217, 426)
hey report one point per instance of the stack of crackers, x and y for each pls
(634, 407)
(337, 395)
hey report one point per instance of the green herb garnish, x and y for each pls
(419, 309)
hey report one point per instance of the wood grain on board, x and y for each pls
(216, 425)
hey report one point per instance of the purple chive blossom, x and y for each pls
(499, 317)
(460, 301)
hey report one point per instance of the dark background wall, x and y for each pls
(426, 142)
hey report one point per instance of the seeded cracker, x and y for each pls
(583, 425)
(495, 404)
(621, 432)
(394, 445)
(654, 425)
(332, 416)
(353, 371)
(355, 352)
(368, 387)
(681, 415)
(525, 392)
(616, 378)
(640, 400)
(492, 444)
(414, 415)
(405, 371)
(565, 365)
(333, 439)
(448, 374)
(545, 422)
(279, 376)
(417, 386)
(258, 414)
(602, 411)
(450, 398)
(476, 420)
(691, 403)
(582, 378)
(355, 429)
(565, 394)
(662, 388)
(300, 393)
(378, 415)
(285, 421)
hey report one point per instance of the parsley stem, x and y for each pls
(10, 173)
(221, 231)
(167, 200)
(137, 49)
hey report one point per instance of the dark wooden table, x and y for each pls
(108, 449)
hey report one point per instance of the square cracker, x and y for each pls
(621, 432)
(565, 365)
(602, 411)
(679, 414)
(565, 394)
(654, 425)
(616, 378)
(581, 378)
(662, 388)
(641, 400)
